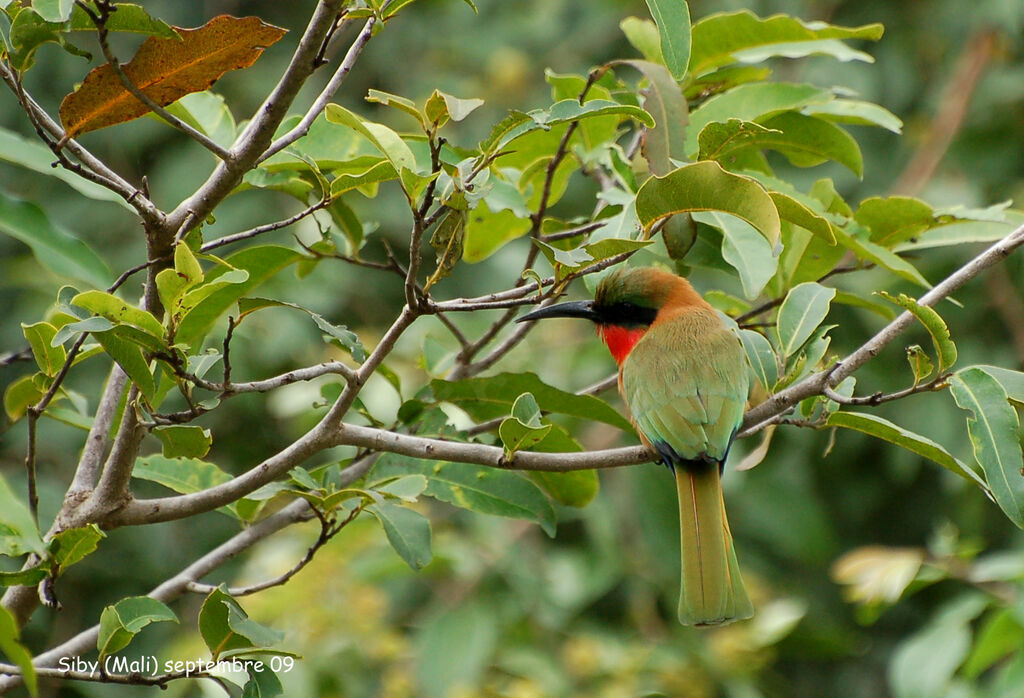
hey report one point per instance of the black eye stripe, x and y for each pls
(626, 314)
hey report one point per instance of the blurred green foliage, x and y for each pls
(502, 609)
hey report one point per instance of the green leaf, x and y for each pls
(480, 489)
(128, 18)
(730, 37)
(568, 110)
(493, 396)
(382, 171)
(567, 262)
(73, 544)
(15, 652)
(673, 20)
(40, 336)
(705, 186)
(54, 10)
(752, 102)
(807, 141)
(383, 138)
(1000, 635)
(400, 103)
(20, 395)
(719, 140)
(185, 476)
(762, 357)
(920, 364)
(25, 577)
(242, 625)
(665, 102)
(523, 430)
(878, 427)
(441, 106)
(408, 488)
(1012, 381)
(55, 248)
(122, 621)
(408, 532)
(894, 219)
(327, 147)
(643, 35)
(867, 250)
(519, 124)
(923, 665)
(453, 648)
(993, 426)
(208, 113)
(29, 31)
(344, 337)
(853, 111)
(33, 155)
(805, 308)
(745, 249)
(128, 356)
(448, 241)
(800, 215)
(184, 441)
(214, 625)
(933, 322)
(119, 312)
(261, 263)
(19, 533)
(262, 683)
(575, 488)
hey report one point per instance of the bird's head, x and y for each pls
(626, 303)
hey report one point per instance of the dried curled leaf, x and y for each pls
(166, 70)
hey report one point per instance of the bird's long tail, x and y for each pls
(712, 590)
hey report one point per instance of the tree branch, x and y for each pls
(491, 456)
(92, 168)
(257, 136)
(177, 585)
(777, 404)
(325, 96)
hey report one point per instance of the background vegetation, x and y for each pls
(828, 518)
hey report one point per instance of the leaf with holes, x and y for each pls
(166, 70)
(933, 322)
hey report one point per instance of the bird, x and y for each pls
(683, 376)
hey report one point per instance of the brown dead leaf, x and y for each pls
(166, 70)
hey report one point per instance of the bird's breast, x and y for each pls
(620, 340)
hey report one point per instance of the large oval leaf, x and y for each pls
(166, 70)
(705, 186)
(803, 310)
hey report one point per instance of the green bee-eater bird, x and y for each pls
(683, 375)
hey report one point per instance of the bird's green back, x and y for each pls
(686, 383)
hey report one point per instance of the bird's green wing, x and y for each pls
(685, 383)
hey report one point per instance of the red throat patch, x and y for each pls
(620, 340)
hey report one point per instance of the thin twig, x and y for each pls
(302, 128)
(328, 530)
(132, 679)
(770, 409)
(91, 168)
(937, 383)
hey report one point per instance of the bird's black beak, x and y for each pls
(583, 309)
